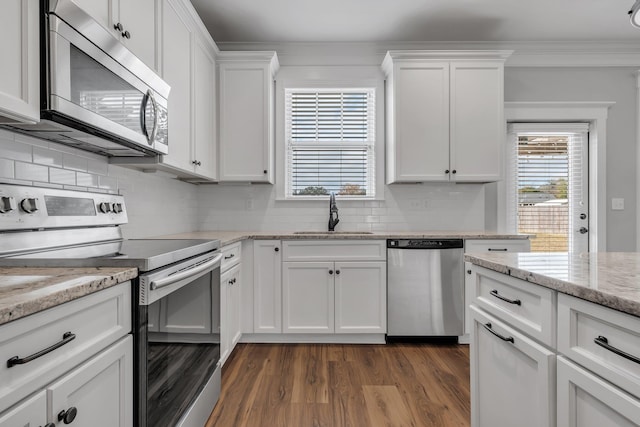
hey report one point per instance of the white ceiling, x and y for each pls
(417, 20)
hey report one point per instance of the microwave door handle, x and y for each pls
(160, 283)
(143, 116)
(156, 113)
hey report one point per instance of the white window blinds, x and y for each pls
(330, 136)
(548, 184)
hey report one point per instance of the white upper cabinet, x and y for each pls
(247, 115)
(131, 22)
(20, 70)
(445, 115)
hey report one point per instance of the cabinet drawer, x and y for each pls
(231, 256)
(31, 412)
(526, 306)
(96, 320)
(512, 376)
(343, 250)
(586, 400)
(582, 325)
(497, 245)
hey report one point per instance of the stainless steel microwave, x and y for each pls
(96, 95)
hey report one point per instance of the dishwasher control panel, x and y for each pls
(424, 243)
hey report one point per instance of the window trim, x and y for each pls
(329, 77)
(596, 114)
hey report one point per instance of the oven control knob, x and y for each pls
(104, 207)
(29, 205)
(117, 208)
(7, 204)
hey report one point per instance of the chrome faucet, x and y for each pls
(333, 212)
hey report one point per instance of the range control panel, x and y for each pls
(24, 207)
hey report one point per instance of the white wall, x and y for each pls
(155, 204)
(595, 84)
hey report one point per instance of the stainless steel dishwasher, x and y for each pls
(425, 287)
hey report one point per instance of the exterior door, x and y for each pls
(549, 185)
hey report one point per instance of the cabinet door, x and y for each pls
(20, 70)
(245, 122)
(361, 297)
(105, 12)
(235, 308)
(31, 412)
(512, 382)
(225, 278)
(139, 19)
(308, 297)
(204, 131)
(585, 400)
(477, 121)
(421, 115)
(267, 287)
(176, 71)
(101, 389)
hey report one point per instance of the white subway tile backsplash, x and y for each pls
(15, 181)
(98, 167)
(25, 139)
(73, 162)
(16, 151)
(62, 176)
(46, 156)
(107, 183)
(6, 168)
(31, 172)
(87, 179)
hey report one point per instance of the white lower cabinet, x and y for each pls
(267, 287)
(31, 412)
(308, 297)
(230, 314)
(83, 369)
(361, 297)
(585, 400)
(98, 393)
(512, 376)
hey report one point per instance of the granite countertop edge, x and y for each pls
(230, 237)
(605, 299)
(59, 286)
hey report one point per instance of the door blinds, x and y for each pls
(547, 188)
(330, 136)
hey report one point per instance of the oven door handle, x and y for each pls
(208, 265)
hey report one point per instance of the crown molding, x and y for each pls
(525, 54)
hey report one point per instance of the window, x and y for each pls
(330, 141)
(549, 194)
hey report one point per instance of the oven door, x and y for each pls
(178, 342)
(87, 85)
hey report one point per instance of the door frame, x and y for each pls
(596, 114)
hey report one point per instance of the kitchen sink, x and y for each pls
(332, 232)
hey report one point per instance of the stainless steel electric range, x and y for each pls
(176, 324)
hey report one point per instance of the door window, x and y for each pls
(549, 185)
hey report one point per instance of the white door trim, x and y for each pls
(596, 114)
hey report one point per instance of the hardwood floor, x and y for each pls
(318, 385)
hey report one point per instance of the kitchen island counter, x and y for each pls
(610, 279)
(28, 290)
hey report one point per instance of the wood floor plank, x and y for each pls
(386, 407)
(333, 385)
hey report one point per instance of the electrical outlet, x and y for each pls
(617, 204)
(415, 204)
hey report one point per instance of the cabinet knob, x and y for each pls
(468, 271)
(330, 271)
(276, 249)
(446, 171)
(454, 171)
(118, 27)
(264, 171)
(68, 416)
(337, 271)
(126, 34)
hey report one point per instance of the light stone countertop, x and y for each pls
(611, 279)
(229, 237)
(28, 290)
